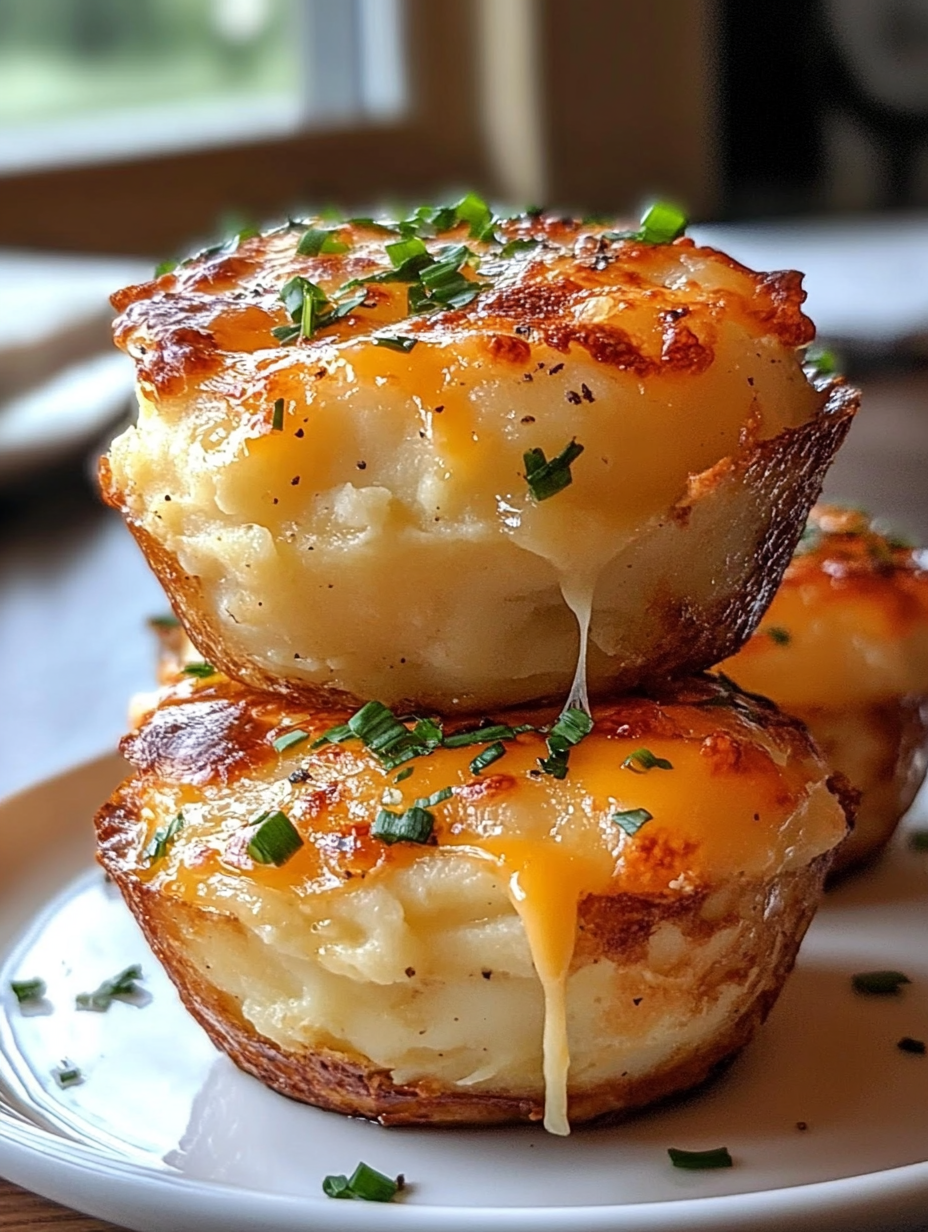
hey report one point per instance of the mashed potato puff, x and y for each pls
(478, 940)
(433, 500)
(844, 647)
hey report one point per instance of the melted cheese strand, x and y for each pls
(578, 595)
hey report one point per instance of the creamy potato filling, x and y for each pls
(518, 853)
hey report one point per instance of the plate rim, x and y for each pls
(26, 1150)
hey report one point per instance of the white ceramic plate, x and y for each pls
(165, 1135)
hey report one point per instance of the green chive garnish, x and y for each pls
(413, 826)
(335, 735)
(661, 223)
(483, 735)
(487, 757)
(476, 213)
(201, 670)
(631, 820)
(403, 774)
(782, 637)
(716, 1158)
(377, 727)
(27, 990)
(67, 1076)
(119, 987)
(401, 252)
(395, 342)
(514, 247)
(316, 240)
(164, 622)
(165, 267)
(162, 839)
(822, 361)
(643, 760)
(918, 840)
(568, 731)
(277, 421)
(365, 1184)
(907, 1044)
(275, 840)
(288, 739)
(546, 478)
(879, 983)
(310, 308)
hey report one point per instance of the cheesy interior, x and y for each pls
(385, 540)
(517, 851)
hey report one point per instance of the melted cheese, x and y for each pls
(744, 798)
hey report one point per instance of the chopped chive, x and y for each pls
(515, 247)
(438, 797)
(907, 1044)
(275, 840)
(28, 990)
(120, 986)
(661, 223)
(395, 342)
(782, 637)
(317, 240)
(404, 774)
(572, 726)
(164, 622)
(643, 760)
(487, 757)
(277, 422)
(288, 739)
(473, 210)
(718, 1157)
(335, 735)
(413, 826)
(162, 839)
(918, 840)
(631, 820)
(165, 267)
(822, 361)
(548, 477)
(365, 1184)
(67, 1075)
(401, 252)
(483, 735)
(201, 670)
(879, 983)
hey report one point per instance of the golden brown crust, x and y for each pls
(214, 730)
(896, 732)
(182, 327)
(772, 915)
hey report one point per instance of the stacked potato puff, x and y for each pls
(445, 820)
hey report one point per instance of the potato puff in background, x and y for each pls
(844, 647)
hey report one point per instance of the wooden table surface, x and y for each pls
(75, 594)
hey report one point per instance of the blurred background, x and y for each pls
(796, 133)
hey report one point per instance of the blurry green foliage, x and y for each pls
(58, 57)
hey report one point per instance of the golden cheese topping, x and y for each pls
(849, 624)
(352, 510)
(734, 789)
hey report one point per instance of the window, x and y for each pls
(98, 80)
